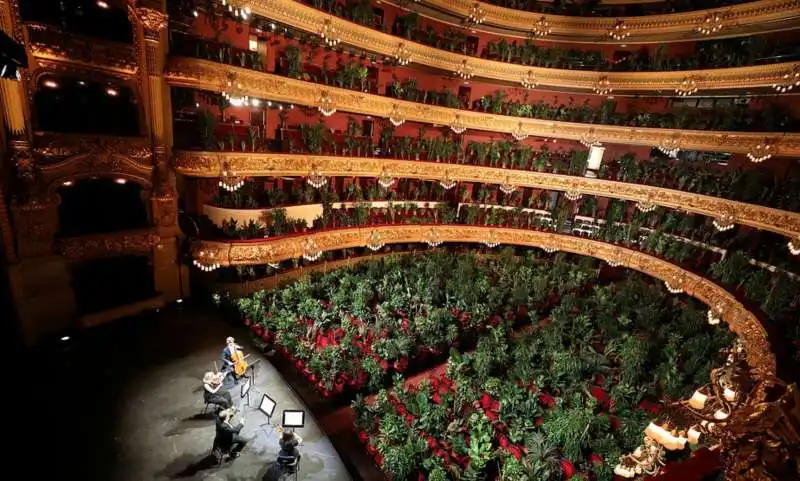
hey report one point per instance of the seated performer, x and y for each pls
(227, 439)
(288, 444)
(227, 354)
(213, 392)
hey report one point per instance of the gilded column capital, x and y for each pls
(22, 156)
(153, 22)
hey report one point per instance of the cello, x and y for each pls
(239, 361)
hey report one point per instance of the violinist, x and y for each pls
(288, 443)
(214, 392)
(227, 439)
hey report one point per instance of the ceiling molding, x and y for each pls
(309, 19)
(741, 321)
(207, 75)
(209, 164)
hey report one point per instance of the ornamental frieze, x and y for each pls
(49, 43)
(759, 16)
(741, 321)
(209, 164)
(107, 245)
(306, 18)
(207, 75)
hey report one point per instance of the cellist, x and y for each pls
(233, 358)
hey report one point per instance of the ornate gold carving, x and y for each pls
(35, 225)
(106, 245)
(67, 157)
(306, 18)
(208, 164)
(740, 320)
(153, 22)
(49, 43)
(761, 16)
(23, 160)
(206, 75)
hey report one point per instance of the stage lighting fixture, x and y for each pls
(293, 418)
(12, 58)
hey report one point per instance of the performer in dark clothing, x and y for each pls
(288, 444)
(214, 392)
(227, 439)
(227, 355)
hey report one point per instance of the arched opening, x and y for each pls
(100, 284)
(100, 205)
(72, 105)
(91, 18)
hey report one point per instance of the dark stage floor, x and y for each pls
(121, 403)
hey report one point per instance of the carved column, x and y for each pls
(151, 43)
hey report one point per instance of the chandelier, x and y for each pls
(447, 183)
(725, 222)
(329, 34)
(520, 134)
(325, 105)
(237, 8)
(573, 195)
(761, 152)
(458, 126)
(232, 91)
(395, 117)
(687, 87)
(619, 31)
(315, 179)
(646, 205)
(675, 284)
(311, 251)
(646, 460)
(228, 179)
(712, 23)
(794, 246)
(789, 81)
(508, 188)
(550, 250)
(541, 28)
(589, 139)
(715, 315)
(465, 70)
(402, 55)
(274, 265)
(491, 240)
(385, 180)
(602, 86)
(206, 261)
(374, 242)
(432, 238)
(476, 14)
(529, 80)
(670, 146)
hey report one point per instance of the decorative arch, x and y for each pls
(741, 321)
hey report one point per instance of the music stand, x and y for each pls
(293, 418)
(245, 390)
(267, 407)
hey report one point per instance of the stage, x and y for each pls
(124, 403)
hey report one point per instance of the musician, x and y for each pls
(214, 392)
(288, 444)
(227, 439)
(227, 354)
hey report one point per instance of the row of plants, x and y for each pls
(562, 400)
(354, 75)
(351, 328)
(708, 54)
(702, 176)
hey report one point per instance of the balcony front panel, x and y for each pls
(741, 321)
(211, 76)
(764, 15)
(210, 164)
(760, 76)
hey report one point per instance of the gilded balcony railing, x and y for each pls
(310, 20)
(210, 76)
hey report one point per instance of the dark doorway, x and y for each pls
(101, 205)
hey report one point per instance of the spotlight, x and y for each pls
(112, 91)
(194, 12)
(67, 183)
(179, 301)
(65, 338)
(102, 4)
(121, 181)
(51, 84)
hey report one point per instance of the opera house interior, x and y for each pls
(406, 240)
